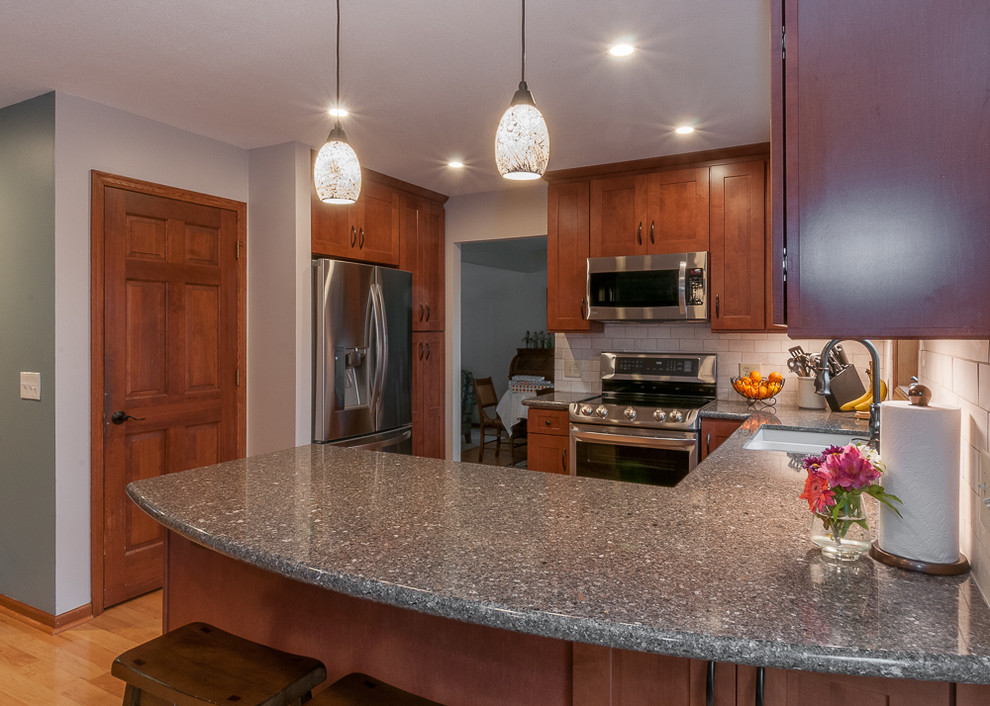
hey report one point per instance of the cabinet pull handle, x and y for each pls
(582, 308)
(421, 351)
(421, 311)
(361, 240)
(427, 351)
(708, 444)
(759, 685)
(427, 312)
(717, 307)
(652, 225)
(639, 234)
(710, 685)
(563, 460)
(353, 236)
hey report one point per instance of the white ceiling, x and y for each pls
(425, 82)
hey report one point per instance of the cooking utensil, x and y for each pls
(840, 355)
(797, 365)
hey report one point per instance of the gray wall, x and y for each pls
(27, 343)
(497, 308)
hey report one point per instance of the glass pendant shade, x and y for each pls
(337, 172)
(522, 141)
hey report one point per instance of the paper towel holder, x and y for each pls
(960, 566)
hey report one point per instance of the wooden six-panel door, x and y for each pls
(171, 347)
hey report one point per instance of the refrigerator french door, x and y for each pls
(362, 340)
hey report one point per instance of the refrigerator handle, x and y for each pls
(381, 359)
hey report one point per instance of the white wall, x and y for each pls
(279, 369)
(93, 136)
(516, 213)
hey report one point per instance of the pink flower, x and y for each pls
(818, 491)
(849, 469)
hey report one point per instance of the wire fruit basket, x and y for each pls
(759, 389)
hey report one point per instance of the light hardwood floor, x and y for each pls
(73, 667)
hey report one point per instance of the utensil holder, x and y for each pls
(807, 397)
(844, 387)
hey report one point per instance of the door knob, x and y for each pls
(120, 416)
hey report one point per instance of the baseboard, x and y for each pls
(46, 622)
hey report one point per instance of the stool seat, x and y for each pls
(361, 690)
(200, 664)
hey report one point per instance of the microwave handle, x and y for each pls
(682, 287)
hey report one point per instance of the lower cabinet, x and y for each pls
(547, 440)
(428, 397)
(714, 432)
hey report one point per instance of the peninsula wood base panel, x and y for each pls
(460, 663)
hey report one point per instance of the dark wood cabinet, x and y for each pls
(547, 440)
(737, 258)
(428, 394)
(714, 432)
(421, 248)
(367, 230)
(882, 138)
(653, 213)
(567, 254)
(799, 688)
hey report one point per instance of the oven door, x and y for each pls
(650, 456)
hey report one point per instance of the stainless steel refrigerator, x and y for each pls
(362, 340)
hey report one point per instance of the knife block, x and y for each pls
(844, 387)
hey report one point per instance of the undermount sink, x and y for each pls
(797, 441)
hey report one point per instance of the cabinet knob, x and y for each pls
(639, 234)
(546, 422)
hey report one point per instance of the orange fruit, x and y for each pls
(775, 377)
(755, 376)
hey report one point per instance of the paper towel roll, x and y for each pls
(920, 448)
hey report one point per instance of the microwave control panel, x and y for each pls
(696, 287)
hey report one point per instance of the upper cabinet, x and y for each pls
(643, 214)
(367, 230)
(881, 143)
(421, 235)
(567, 256)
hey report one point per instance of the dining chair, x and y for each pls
(484, 394)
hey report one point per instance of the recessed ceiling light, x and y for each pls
(339, 112)
(684, 130)
(454, 164)
(621, 49)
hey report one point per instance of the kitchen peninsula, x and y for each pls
(476, 584)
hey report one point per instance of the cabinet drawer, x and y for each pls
(547, 421)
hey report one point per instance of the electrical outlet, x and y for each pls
(30, 386)
(982, 478)
(746, 368)
(572, 369)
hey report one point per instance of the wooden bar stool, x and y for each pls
(361, 690)
(200, 664)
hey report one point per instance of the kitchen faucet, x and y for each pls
(822, 386)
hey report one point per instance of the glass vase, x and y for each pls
(845, 537)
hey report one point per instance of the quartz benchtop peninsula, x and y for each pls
(717, 568)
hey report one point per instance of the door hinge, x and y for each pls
(237, 377)
(237, 249)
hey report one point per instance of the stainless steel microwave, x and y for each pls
(648, 288)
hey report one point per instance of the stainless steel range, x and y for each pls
(644, 427)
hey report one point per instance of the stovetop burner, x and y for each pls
(650, 390)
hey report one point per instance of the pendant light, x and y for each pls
(522, 141)
(337, 172)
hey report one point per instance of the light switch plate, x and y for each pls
(30, 386)
(982, 476)
(572, 369)
(746, 368)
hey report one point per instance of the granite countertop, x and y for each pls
(718, 567)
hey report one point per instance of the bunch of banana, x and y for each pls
(863, 402)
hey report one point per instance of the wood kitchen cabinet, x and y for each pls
(367, 230)
(796, 688)
(644, 214)
(737, 258)
(714, 432)
(428, 394)
(547, 440)
(881, 141)
(421, 247)
(567, 254)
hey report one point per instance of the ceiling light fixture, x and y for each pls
(621, 49)
(338, 112)
(522, 141)
(684, 130)
(455, 164)
(337, 172)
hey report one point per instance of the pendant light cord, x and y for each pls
(523, 77)
(337, 107)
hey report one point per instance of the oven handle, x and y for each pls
(617, 438)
